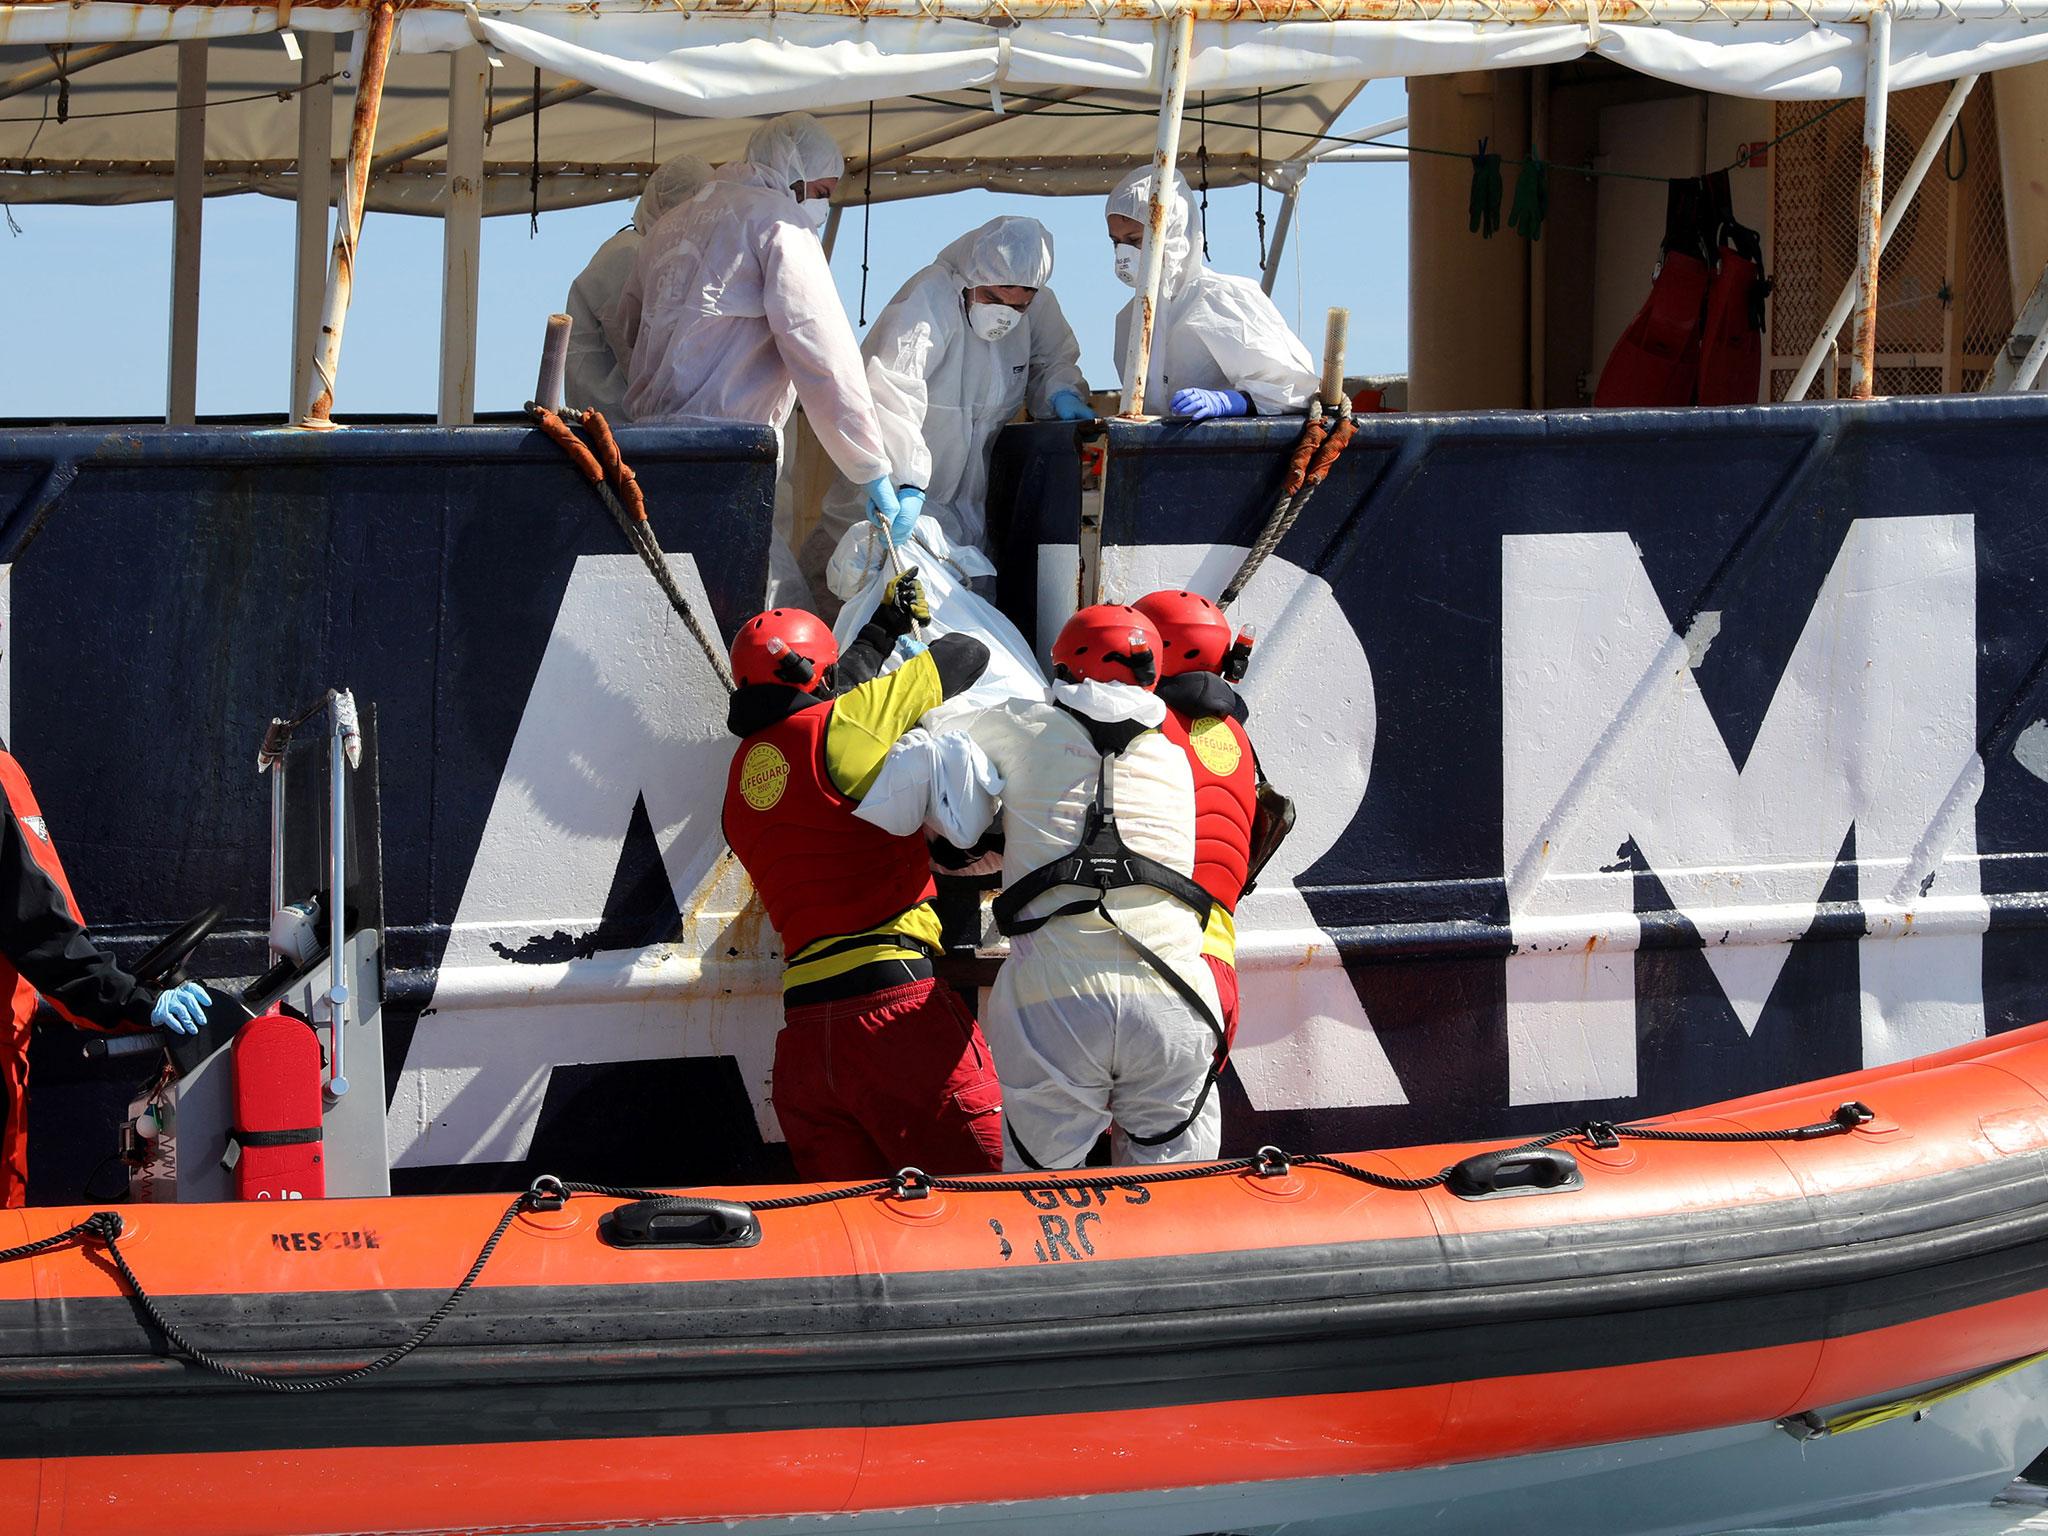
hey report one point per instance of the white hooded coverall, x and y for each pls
(596, 378)
(1085, 1033)
(1213, 331)
(942, 393)
(731, 313)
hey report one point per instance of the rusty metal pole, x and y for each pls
(1173, 95)
(1870, 201)
(1902, 199)
(348, 227)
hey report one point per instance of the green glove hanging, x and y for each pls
(1532, 199)
(1484, 207)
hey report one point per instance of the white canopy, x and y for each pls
(1075, 81)
(596, 145)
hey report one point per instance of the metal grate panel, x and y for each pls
(1944, 294)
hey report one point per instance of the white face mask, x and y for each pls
(1127, 265)
(814, 210)
(992, 322)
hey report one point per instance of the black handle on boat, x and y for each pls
(677, 1221)
(1514, 1171)
(98, 1046)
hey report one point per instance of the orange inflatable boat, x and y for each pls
(1831, 1294)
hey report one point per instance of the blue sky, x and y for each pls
(108, 357)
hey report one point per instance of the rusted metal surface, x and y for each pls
(427, 143)
(1263, 12)
(37, 75)
(1909, 187)
(1870, 203)
(341, 274)
(1173, 95)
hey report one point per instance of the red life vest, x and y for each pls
(821, 870)
(1731, 339)
(1657, 360)
(20, 996)
(1698, 339)
(1226, 799)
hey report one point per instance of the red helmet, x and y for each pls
(1194, 634)
(784, 645)
(1109, 643)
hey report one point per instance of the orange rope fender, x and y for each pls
(559, 434)
(1334, 444)
(616, 469)
(1306, 449)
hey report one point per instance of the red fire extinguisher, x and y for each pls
(277, 1131)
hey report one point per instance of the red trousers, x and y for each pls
(899, 1078)
(1226, 991)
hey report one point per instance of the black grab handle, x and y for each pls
(1515, 1171)
(677, 1221)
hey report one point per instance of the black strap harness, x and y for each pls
(1104, 862)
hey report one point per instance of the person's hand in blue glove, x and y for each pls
(883, 507)
(1208, 404)
(182, 1009)
(911, 500)
(1069, 406)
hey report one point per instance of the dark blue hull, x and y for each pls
(1645, 758)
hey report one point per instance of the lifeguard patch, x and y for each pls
(1216, 745)
(764, 775)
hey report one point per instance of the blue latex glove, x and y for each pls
(883, 506)
(1207, 404)
(910, 502)
(1069, 406)
(182, 1009)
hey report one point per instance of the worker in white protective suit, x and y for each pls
(596, 378)
(1219, 346)
(731, 315)
(1104, 1016)
(968, 342)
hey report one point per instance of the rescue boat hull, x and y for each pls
(1238, 1347)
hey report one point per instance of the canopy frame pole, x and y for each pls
(348, 228)
(958, 129)
(1173, 96)
(1870, 201)
(1283, 223)
(427, 143)
(462, 223)
(188, 204)
(1909, 187)
(315, 178)
(68, 67)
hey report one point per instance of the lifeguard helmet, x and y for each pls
(1108, 643)
(784, 645)
(1194, 634)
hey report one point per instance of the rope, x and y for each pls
(1309, 135)
(1259, 176)
(98, 1226)
(867, 212)
(1811, 1426)
(304, 1384)
(533, 218)
(106, 1228)
(283, 93)
(1315, 452)
(619, 489)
